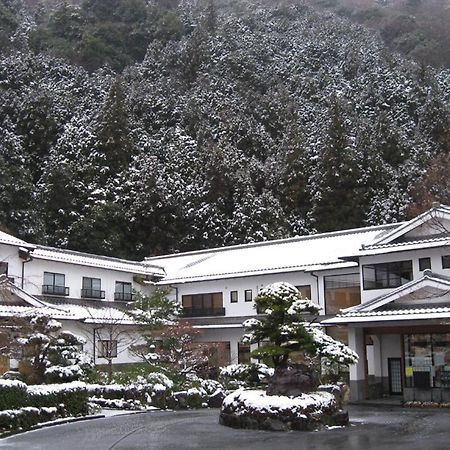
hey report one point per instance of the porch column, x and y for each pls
(357, 371)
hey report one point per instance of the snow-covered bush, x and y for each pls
(27, 417)
(13, 394)
(241, 375)
(73, 395)
(255, 409)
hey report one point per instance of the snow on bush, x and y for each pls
(27, 417)
(245, 401)
(159, 381)
(13, 394)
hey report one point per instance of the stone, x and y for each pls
(215, 400)
(293, 380)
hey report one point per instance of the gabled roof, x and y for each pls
(15, 301)
(431, 218)
(305, 253)
(7, 239)
(425, 298)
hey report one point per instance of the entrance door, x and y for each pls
(395, 376)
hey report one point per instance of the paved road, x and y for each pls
(372, 428)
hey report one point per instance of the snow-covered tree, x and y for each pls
(282, 329)
(47, 353)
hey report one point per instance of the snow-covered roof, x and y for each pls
(305, 253)
(7, 239)
(432, 217)
(424, 299)
(105, 262)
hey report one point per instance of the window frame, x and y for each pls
(445, 261)
(50, 284)
(427, 261)
(234, 296)
(386, 274)
(248, 298)
(103, 344)
(85, 290)
(121, 294)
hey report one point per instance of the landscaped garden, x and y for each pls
(57, 380)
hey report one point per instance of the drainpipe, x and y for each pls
(25, 256)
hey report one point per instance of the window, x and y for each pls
(198, 305)
(427, 358)
(3, 268)
(424, 264)
(92, 288)
(54, 284)
(305, 291)
(123, 291)
(248, 295)
(341, 291)
(107, 349)
(446, 261)
(243, 353)
(387, 275)
(233, 296)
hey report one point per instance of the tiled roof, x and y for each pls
(7, 239)
(306, 253)
(87, 259)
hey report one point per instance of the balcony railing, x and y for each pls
(51, 289)
(123, 296)
(92, 293)
(203, 312)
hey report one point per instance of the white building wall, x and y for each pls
(436, 266)
(91, 333)
(241, 284)
(74, 273)
(10, 254)
(390, 348)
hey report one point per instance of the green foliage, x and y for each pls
(13, 394)
(282, 329)
(25, 418)
(74, 397)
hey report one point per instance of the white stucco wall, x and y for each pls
(436, 266)
(390, 348)
(34, 277)
(255, 283)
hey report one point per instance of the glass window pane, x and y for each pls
(59, 279)
(48, 279)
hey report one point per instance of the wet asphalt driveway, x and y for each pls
(386, 428)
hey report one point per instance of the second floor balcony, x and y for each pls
(92, 293)
(51, 289)
(123, 296)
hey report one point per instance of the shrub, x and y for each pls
(73, 395)
(13, 394)
(27, 417)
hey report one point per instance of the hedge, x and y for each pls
(13, 394)
(27, 417)
(74, 396)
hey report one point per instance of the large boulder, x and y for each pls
(293, 380)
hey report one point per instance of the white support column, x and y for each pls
(358, 370)
(234, 351)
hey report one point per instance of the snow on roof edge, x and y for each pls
(275, 241)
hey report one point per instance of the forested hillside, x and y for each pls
(131, 128)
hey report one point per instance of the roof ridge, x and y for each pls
(276, 241)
